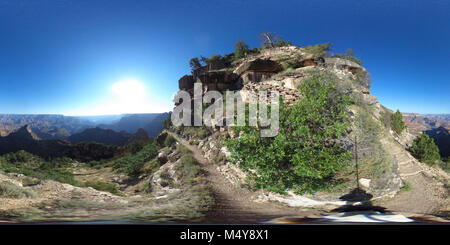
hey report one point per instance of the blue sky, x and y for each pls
(63, 56)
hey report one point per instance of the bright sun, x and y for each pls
(127, 96)
(129, 90)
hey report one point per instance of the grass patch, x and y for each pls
(169, 141)
(11, 190)
(195, 132)
(183, 149)
(189, 168)
(103, 186)
(406, 187)
(151, 166)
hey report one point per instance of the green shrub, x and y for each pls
(183, 149)
(33, 166)
(397, 122)
(10, 190)
(445, 165)
(241, 50)
(132, 164)
(169, 141)
(194, 63)
(282, 43)
(305, 154)
(425, 150)
(102, 186)
(320, 50)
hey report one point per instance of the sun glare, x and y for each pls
(129, 89)
(127, 96)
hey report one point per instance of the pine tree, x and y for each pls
(397, 122)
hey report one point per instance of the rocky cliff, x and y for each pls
(381, 164)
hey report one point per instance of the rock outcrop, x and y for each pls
(343, 65)
(257, 70)
(186, 82)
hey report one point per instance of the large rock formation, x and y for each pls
(219, 80)
(186, 82)
(257, 70)
(343, 65)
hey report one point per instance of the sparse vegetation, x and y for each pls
(349, 55)
(195, 132)
(189, 168)
(11, 190)
(103, 186)
(406, 186)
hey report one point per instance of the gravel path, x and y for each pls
(426, 194)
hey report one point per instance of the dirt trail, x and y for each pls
(235, 204)
(426, 194)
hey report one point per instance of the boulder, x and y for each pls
(259, 65)
(365, 183)
(343, 64)
(162, 157)
(311, 60)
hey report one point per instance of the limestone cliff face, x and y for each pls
(380, 149)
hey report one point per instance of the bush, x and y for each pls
(305, 154)
(169, 141)
(151, 166)
(194, 63)
(33, 166)
(132, 164)
(10, 190)
(445, 165)
(320, 50)
(425, 150)
(282, 43)
(397, 122)
(241, 50)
